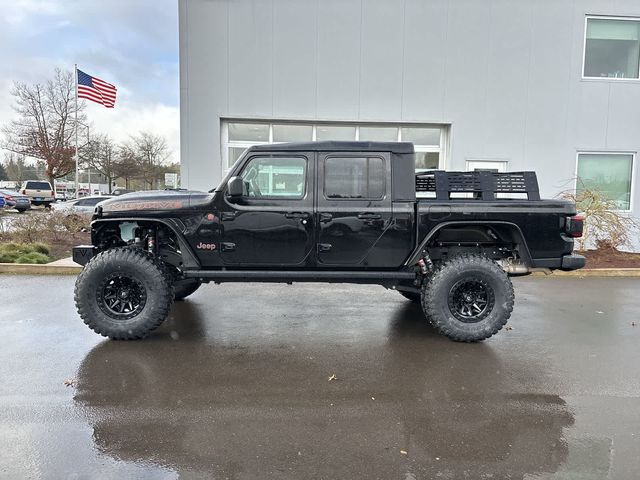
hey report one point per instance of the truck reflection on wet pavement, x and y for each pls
(236, 385)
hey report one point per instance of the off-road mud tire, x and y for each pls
(441, 285)
(149, 276)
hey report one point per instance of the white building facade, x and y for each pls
(551, 85)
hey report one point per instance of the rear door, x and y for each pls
(353, 209)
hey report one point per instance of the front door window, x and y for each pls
(275, 177)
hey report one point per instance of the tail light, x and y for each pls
(9, 197)
(24, 191)
(53, 194)
(574, 225)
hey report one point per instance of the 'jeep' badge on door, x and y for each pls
(206, 246)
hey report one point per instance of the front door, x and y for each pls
(353, 210)
(272, 223)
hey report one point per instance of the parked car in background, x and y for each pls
(15, 200)
(40, 192)
(61, 196)
(82, 205)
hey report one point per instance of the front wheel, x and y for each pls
(468, 298)
(123, 293)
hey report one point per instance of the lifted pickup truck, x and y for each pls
(339, 212)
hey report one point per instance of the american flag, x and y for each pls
(96, 90)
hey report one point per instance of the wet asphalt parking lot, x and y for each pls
(236, 385)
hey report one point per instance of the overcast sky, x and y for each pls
(130, 43)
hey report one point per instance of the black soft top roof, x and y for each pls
(333, 146)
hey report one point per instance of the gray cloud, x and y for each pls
(131, 43)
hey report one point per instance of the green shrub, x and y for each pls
(40, 248)
(24, 253)
(33, 257)
(8, 257)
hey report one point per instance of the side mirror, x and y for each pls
(235, 187)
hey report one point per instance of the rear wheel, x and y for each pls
(468, 298)
(123, 293)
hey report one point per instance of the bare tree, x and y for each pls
(100, 154)
(17, 168)
(605, 226)
(150, 152)
(44, 126)
(126, 165)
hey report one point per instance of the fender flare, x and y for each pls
(189, 260)
(518, 237)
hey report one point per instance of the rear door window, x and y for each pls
(354, 178)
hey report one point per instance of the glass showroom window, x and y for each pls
(609, 173)
(430, 141)
(612, 48)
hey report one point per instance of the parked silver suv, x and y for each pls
(39, 191)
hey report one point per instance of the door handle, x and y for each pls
(302, 215)
(324, 247)
(325, 217)
(228, 215)
(227, 246)
(369, 216)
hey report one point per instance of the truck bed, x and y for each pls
(451, 197)
(538, 220)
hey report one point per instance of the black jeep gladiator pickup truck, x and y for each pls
(340, 212)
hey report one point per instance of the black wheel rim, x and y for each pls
(122, 296)
(471, 300)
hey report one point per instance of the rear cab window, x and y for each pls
(37, 186)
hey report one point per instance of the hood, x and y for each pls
(156, 201)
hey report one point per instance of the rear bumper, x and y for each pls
(83, 253)
(573, 262)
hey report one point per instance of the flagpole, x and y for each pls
(75, 68)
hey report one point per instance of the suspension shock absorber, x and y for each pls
(151, 241)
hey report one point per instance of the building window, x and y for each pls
(608, 173)
(486, 165)
(430, 141)
(275, 177)
(354, 177)
(335, 132)
(612, 48)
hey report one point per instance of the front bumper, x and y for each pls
(572, 262)
(83, 253)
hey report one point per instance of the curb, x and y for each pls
(50, 269)
(39, 269)
(593, 272)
